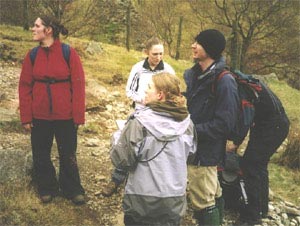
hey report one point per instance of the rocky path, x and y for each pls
(104, 106)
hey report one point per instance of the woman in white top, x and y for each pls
(139, 78)
(142, 72)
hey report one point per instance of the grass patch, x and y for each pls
(21, 206)
(11, 126)
(290, 99)
(284, 183)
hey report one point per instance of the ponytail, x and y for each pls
(57, 28)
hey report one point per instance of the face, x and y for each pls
(155, 55)
(39, 31)
(151, 93)
(198, 52)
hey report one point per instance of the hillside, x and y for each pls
(106, 69)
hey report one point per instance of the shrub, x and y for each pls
(291, 156)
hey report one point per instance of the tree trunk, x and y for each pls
(177, 55)
(244, 48)
(234, 48)
(128, 26)
(26, 15)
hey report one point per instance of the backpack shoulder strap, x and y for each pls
(33, 53)
(65, 49)
(66, 53)
(217, 78)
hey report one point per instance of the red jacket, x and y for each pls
(68, 98)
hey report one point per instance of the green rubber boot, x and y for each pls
(208, 217)
(220, 203)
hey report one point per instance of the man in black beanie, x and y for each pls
(214, 117)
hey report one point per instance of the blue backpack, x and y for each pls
(248, 91)
(65, 50)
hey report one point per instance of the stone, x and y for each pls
(15, 165)
(291, 210)
(94, 48)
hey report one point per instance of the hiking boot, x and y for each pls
(78, 200)
(109, 189)
(46, 198)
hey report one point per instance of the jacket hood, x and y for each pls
(161, 124)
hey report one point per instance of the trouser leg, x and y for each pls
(204, 189)
(129, 221)
(264, 191)
(263, 143)
(119, 176)
(44, 171)
(220, 204)
(66, 138)
(251, 172)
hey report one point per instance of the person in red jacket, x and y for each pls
(52, 104)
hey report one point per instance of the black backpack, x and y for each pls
(232, 182)
(248, 91)
(65, 50)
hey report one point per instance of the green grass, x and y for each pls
(290, 98)
(18, 41)
(285, 183)
(11, 126)
(21, 206)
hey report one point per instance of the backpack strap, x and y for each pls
(48, 83)
(33, 53)
(217, 78)
(65, 50)
(66, 53)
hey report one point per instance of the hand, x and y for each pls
(27, 127)
(76, 126)
(143, 102)
(231, 147)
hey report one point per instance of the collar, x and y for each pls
(207, 71)
(202, 74)
(55, 43)
(159, 67)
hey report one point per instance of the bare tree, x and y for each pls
(80, 17)
(249, 23)
(163, 17)
(11, 12)
(128, 25)
(25, 15)
(56, 7)
(177, 56)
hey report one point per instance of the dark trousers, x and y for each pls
(263, 143)
(65, 134)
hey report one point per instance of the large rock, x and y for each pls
(267, 78)
(15, 165)
(94, 48)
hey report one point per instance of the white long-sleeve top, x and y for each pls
(139, 77)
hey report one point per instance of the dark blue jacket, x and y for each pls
(214, 114)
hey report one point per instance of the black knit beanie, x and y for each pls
(212, 41)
